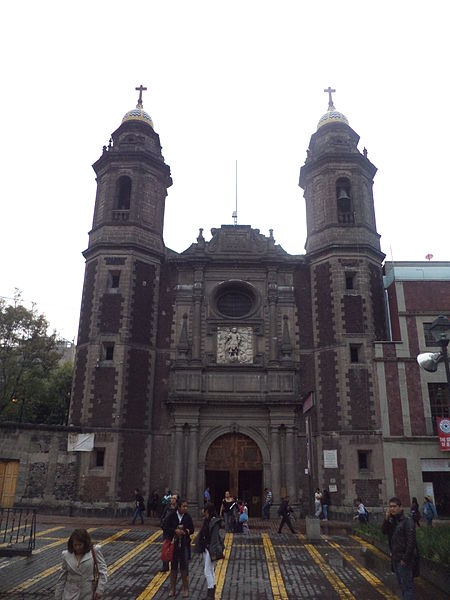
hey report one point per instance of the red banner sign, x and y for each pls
(443, 427)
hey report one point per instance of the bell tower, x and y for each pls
(343, 251)
(115, 361)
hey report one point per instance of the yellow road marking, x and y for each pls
(276, 580)
(132, 553)
(368, 576)
(157, 581)
(40, 534)
(338, 585)
(46, 531)
(370, 546)
(29, 582)
(221, 567)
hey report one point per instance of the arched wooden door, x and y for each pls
(234, 463)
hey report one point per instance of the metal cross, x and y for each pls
(329, 91)
(140, 89)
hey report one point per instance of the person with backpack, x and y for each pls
(210, 544)
(139, 506)
(361, 513)
(285, 512)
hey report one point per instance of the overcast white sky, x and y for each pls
(227, 80)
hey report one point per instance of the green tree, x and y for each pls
(29, 361)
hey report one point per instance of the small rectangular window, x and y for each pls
(363, 460)
(108, 351)
(349, 281)
(429, 338)
(115, 278)
(99, 457)
(355, 352)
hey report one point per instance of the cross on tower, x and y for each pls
(329, 91)
(140, 89)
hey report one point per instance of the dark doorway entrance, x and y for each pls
(441, 488)
(250, 490)
(218, 483)
(234, 463)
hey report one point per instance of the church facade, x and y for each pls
(233, 364)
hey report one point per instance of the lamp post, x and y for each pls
(440, 329)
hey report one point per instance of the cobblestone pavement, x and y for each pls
(261, 566)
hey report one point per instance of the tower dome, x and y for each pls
(332, 115)
(138, 113)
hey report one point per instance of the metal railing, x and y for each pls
(17, 531)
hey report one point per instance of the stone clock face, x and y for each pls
(234, 345)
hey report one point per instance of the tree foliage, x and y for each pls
(34, 385)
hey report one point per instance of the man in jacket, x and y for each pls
(401, 533)
(285, 512)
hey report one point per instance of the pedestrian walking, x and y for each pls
(153, 503)
(285, 512)
(180, 527)
(243, 520)
(268, 497)
(325, 500)
(209, 543)
(401, 533)
(168, 509)
(361, 512)
(227, 511)
(206, 496)
(317, 503)
(429, 510)
(83, 574)
(139, 506)
(415, 512)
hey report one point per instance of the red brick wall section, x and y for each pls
(87, 302)
(393, 398)
(393, 311)
(137, 391)
(413, 340)
(110, 318)
(427, 295)
(401, 482)
(378, 305)
(324, 305)
(94, 489)
(132, 457)
(329, 409)
(76, 403)
(361, 399)
(302, 291)
(369, 490)
(353, 314)
(142, 312)
(104, 392)
(415, 399)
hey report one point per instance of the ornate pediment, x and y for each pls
(236, 239)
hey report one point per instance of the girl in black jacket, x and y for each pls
(210, 544)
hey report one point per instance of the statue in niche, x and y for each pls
(234, 345)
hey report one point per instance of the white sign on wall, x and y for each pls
(330, 459)
(80, 442)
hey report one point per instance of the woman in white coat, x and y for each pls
(83, 573)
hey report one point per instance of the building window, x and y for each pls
(114, 280)
(349, 281)
(355, 353)
(363, 460)
(108, 351)
(123, 193)
(437, 393)
(234, 299)
(99, 457)
(429, 338)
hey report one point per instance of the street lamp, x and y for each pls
(440, 329)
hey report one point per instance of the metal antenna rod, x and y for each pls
(235, 210)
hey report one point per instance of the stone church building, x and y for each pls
(233, 364)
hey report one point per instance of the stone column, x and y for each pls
(179, 459)
(196, 321)
(192, 483)
(275, 462)
(291, 470)
(273, 328)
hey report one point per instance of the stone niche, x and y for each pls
(234, 345)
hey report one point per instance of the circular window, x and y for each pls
(234, 299)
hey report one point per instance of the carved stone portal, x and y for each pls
(234, 345)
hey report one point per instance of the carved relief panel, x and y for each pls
(234, 345)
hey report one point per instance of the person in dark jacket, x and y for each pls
(325, 500)
(401, 533)
(180, 527)
(169, 508)
(210, 544)
(139, 506)
(415, 512)
(285, 512)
